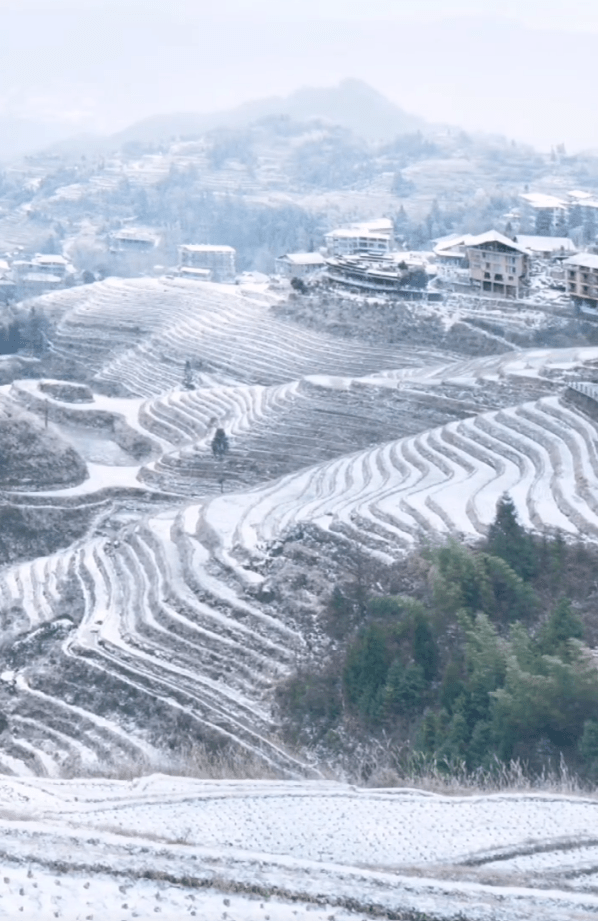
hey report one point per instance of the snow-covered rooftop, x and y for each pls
(378, 225)
(199, 273)
(541, 200)
(493, 236)
(584, 259)
(546, 244)
(50, 259)
(130, 235)
(205, 248)
(579, 195)
(449, 246)
(304, 258)
(356, 232)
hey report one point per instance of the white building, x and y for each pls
(299, 265)
(52, 264)
(547, 247)
(42, 272)
(547, 214)
(132, 239)
(374, 238)
(218, 260)
(450, 254)
(582, 281)
(583, 215)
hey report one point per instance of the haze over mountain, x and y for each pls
(100, 67)
(352, 104)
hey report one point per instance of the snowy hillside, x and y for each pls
(161, 629)
(140, 332)
(167, 627)
(161, 621)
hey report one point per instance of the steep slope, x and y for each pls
(160, 629)
(139, 333)
(34, 456)
(172, 630)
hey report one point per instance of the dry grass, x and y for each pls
(454, 778)
(200, 761)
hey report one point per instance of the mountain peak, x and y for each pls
(351, 104)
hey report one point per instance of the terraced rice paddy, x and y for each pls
(157, 632)
(264, 851)
(158, 623)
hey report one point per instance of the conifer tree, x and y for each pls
(220, 444)
(562, 625)
(508, 539)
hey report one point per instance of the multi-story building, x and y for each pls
(545, 215)
(372, 238)
(450, 255)
(582, 281)
(40, 273)
(583, 215)
(218, 260)
(497, 265)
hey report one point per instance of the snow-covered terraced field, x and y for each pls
(280, 429)
(153, 627)
(172, 612)
(159, 623)
(269, 850)
(442, 481)
(527, 364)
(139, 333)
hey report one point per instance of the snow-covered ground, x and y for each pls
(165, 620)
(172, 605)
(266, 851)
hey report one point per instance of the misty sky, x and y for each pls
(522, 68)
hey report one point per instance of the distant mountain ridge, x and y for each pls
(351, 104)
(21, 136)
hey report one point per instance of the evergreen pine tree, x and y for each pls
(220, 444)
(508, 539)
(562, 625)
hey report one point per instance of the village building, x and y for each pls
(132, 240)
(39, 274)
(450, 255)
(53, 264)
(547, 247)
(374, 238)
(582, 281)
(498, 265)
(195, 260)
(299, 265)
(404, 275)
(546, 214)
(583, 215)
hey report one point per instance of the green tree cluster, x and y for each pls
(480, 670)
